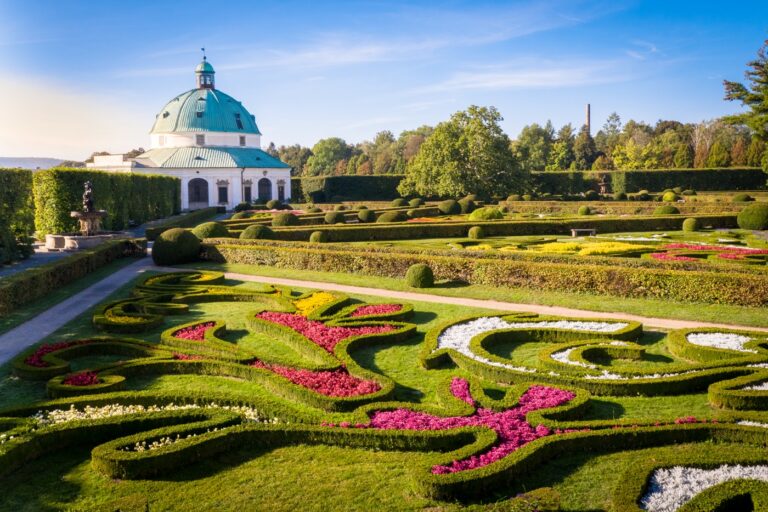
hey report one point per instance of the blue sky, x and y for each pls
(84, 75)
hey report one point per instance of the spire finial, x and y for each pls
(203, 50)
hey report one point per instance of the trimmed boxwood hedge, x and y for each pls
(186, 220)
(125, 197)
(16, 214)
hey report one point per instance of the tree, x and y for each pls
(584, 149)
(469, 153)
(326, 154)
(683, 157)
(754, 95)
(532, 147)
(561, 155)
(272, 150)
(296, 156)
(755, 152)
(718, 156)
(739, 152)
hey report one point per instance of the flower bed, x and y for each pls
(376, 309)
(194, 332)
(86, 378)
(36, 358)
(337, 382)
(307, 305)
(729, 341)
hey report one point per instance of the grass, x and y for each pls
(317, 478)
(656, 308)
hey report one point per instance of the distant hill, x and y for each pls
(29, 162)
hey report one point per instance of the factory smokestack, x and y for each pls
(588, 122)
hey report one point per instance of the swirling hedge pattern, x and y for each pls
(479, 440)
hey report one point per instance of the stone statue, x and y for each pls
(88, 197)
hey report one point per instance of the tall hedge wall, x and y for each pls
(16, 212)
(125, 197)
(348, 188)
(696, 179)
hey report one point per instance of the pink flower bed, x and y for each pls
(669, 256)
(82, 379)
(423, 219)
(319, 333)
(194, 332)
(376, 309)
(330, 383)
(36, 358)
(460, 389)
(511, 426)
(185, 357)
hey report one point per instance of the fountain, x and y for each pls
(90, 227)
(90, 219)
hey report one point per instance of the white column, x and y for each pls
(273, 181)
(213, 191)
(235, 190)
(184, 192)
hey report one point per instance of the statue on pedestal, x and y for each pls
(88, 197)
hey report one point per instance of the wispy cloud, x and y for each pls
(642, 50)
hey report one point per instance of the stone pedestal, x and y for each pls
(90, 222)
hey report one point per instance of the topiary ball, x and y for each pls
(591, 195)
(486, 213)
(241, 215)
(643, 195)
(620, 196)
(284, 219)
(449, 207)
(399, 202)
(467, 205)
(256, 232)
(670, 197)
(415, 202)
(210, 230)
(334, 218)
(318, 237)
(314, 209)
(420, 276)
(691, 224)
(677, 190)
(174, 246)
(585, 210)
(471, 197)
(754, 216)
(241, 207)
(340, 207)
(514, 197)
(667, 209)
(391, 217)
(366, 215)
(273, 204)
(742, 198)
(476, 232)
(362, 207)
(689, 192)
(527, 197)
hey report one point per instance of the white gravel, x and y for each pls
(726, 340)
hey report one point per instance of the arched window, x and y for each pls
(265, 189)
(198, 193)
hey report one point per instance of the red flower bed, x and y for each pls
(185, 357)
(376, 309)
(670, 256)
(86, 378)
(194, 332)
(36, 358)
(319, 333)
(330, 383)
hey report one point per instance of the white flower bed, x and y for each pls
(57, 416)
(564, 356)
(725, 340)
(458, 337)
(143, 446)
(748, 423)
(671, 488)
(763, 386)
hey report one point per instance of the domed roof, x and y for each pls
(204, 110)
(204, 67)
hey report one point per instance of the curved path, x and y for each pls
(36, 329)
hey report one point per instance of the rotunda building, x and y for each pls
(210, 141)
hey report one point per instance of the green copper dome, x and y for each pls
(204, 110)
(204, 67)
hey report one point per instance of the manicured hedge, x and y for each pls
(125, 197)
(186, 220)
(351, 188)
(16, 214)
(24, 287)
(748, 289)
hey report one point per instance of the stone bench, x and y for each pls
(583, 231)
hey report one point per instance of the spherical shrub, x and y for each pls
(691, 224)
(527, 197)
(256, 232)
(514, 197)
(415, 202)
(585, 210)
(667, 209)
(284, 219)
(467, 205)
(689, 192)
(476, 232)
(340, 207)
(643, 195)
(241, 215)
(420, 276)
(742, 198)
(210, 230)
(471, 197)
(241, 207)
(273, 204)
(399, 202)
(391, 217)
(670, 197)
(318, 237)
(486, 213)
(362, 207)
(334, 218)
(591, 195)
(620, 196)
(314, 209)
(449, 207)
(412, 213)
(677, 190)
(174, 246)
(366, 215)
(504, 209)
(754, 216)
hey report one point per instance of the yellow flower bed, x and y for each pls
(608, 248)
(558, 247)
(306, 305)
(480, 247)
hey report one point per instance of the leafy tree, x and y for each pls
(326, 154)
(753, 95)
(561, 155)
(533, 145)
(272, 150)
(603, 163)
(718, 156)
(469, 153)
(683, 156)
(607, 138)
(739, 152)
(755, 152)
(296, 156)
(584, 149)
